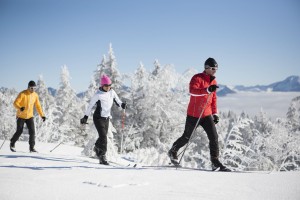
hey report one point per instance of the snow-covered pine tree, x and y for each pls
(7, 113)
(139, 83)
(293, 114)
(69, 110)
(157, 68)
(108, 67)
(263, 124)
(238, 152)
(45, 129)
(157, 108)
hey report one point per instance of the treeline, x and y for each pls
(155, 117)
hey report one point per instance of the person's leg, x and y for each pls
(16, 136)
(209, 126)
(102, 128)
(189, 127)
(31, 130)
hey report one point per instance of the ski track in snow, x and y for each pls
(65, 174)
(102, 185)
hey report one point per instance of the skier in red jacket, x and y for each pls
(203, 105)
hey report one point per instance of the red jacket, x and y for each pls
(199, 94)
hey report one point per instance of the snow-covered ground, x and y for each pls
(65, 174)
(274, 104)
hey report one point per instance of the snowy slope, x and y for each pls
(65, 174)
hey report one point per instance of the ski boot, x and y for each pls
(32, 150)
(218, 166)
(12, 147)
(102, 160)
(173, 157)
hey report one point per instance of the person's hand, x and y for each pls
(124, 105)
(84, 120)
(212, 88)
(216, 118)
(22, 109)
(44, 118)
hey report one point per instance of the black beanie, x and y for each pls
(31, 84)
(210, 62)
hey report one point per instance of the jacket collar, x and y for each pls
(29, 92)
(102, 90)
(207, 77)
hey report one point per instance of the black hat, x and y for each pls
(210, 62)
(31, 84)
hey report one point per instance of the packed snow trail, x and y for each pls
(65, 174)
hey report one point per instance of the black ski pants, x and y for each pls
(208, 125)
(20, 125)
(102, 128)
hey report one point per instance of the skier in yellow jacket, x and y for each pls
(24, 104)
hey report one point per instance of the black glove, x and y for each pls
(216, 118)
(212, 88)
(124, 105)
(44, 119)
(22, 109)
(84, 119)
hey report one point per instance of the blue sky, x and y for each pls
(254, 42)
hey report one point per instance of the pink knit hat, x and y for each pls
(105, 80)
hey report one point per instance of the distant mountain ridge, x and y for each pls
(224, 90)
(290, 84)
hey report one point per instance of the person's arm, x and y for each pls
(38, 106)
(18, 101)
(196, 87)
(214, 108)
(117, 100)
(94, 99)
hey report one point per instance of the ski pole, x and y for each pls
(123, 125)
(3, 143)
(56, 146)
(123, 116)
(187, 144)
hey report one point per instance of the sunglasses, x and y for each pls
(214, 68)
(106, 85)
(32, 88)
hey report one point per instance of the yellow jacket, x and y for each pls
(27, 100)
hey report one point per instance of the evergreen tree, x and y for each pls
(238, 152)
(108, 67)
(155, 104)
(139, 83)
(7, 113)
(45, 129)
(263, 124)
(293, 114)
(68, 110)
(157, 68)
